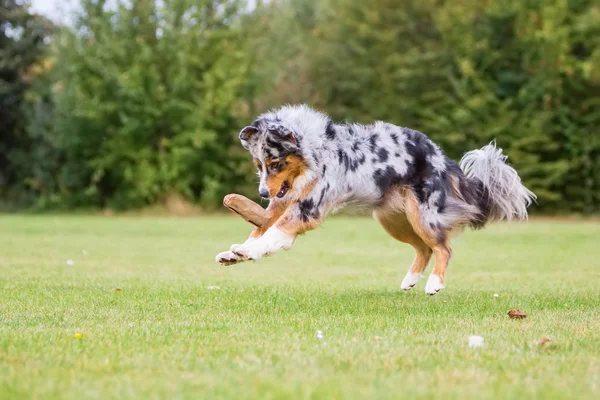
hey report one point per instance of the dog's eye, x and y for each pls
(275, 165)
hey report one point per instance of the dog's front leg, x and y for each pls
(273, 240)
(275, 210)
(280, 235)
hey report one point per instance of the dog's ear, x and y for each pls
(246, 134)
(283, 134)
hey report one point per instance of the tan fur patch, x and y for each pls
(291, 225)
(294, 167)
(294, 227)
(308, 188)
(393, 219)
(276, 210)
(441, 249)
(456, 188)
(414, 216)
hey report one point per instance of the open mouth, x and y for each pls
(284, 189)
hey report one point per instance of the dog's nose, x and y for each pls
(264, 193)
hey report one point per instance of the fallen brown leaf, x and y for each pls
(117, 289)
(516, 314)
(543, 341)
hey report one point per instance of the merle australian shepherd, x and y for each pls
(310, 166)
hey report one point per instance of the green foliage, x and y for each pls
(22, 38)
(468, 72)
(522, 72)
(135, 103)
(148, 103)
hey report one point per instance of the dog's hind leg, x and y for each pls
(435, 238)
(395, 222)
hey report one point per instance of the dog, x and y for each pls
(309, 166)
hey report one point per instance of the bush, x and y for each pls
(139, 103)
(146, 105)
(466, 72)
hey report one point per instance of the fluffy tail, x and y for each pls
(505, 195)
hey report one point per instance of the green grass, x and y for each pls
(166, 334)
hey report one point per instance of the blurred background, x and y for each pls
(124, 105)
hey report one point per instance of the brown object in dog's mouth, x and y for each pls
(247, 209)
(516, 314)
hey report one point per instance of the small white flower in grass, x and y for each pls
(84, 252)
(320, 335)
(495, 294)
(475, 341)
(70, 262)
(213, 287)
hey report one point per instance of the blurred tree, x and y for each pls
(523, 72)
(281, 42)
(466, 72)
(141, 100)
(149, 104)
(375, 56)
(22, 37)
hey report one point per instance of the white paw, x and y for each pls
(249, 252)
(434, 285)
(410, 280)
(228, 258)
(234, 247)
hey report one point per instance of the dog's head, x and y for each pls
(276, 153)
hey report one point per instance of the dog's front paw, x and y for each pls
(248, 253)
(228, 258)
(434, 285)
(234, 247)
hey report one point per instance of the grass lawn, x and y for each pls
(183, 327)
